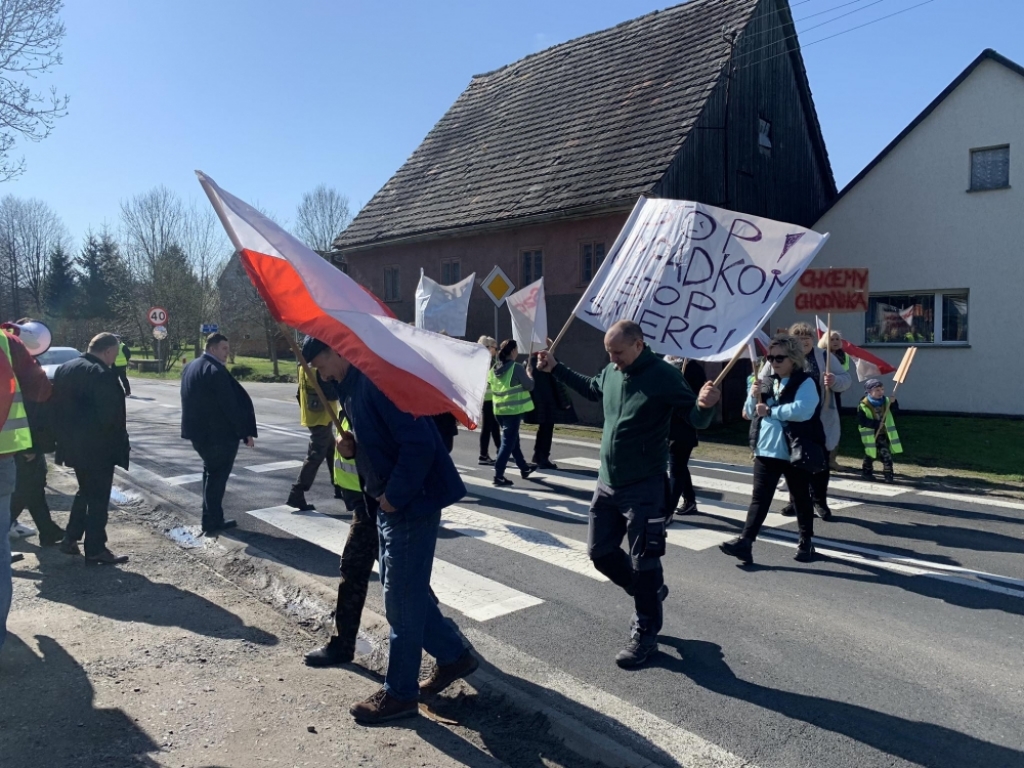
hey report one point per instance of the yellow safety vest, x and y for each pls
(311, 411)
(345, 473)
(867, 434)
(15, 435)
(509, 400)
(121, 361)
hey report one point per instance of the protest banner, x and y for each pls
(529, 311)
(833, 291)
(443, 308)
(699, 280)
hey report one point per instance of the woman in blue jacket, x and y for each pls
(788, 441)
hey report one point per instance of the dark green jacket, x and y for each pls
(638, 406)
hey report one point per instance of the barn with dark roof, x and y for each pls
(536, 166)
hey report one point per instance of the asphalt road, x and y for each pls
(902, 645)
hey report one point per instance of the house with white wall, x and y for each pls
(938, 219)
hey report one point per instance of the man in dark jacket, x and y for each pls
(639, 393)
(551, 406)
(404, 466)
(216, 414)
(92, 439)
(682, 439)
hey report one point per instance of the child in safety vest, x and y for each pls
(878, 443)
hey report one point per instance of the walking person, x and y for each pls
(639, 392)
(30, 486)
(357, 559)
(405, 468)
(551, 405)
(510, 385)
(878, 443)
(92, 439)
(834, 344)
(788, 440)
(682, 439)
(316, 416)
(489, 430)
(121, 366)
(216, 414)
(21, 381)
(836, 380)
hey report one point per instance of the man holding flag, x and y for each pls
(639, 392)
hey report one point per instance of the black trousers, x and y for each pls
(30, 492)
(357, 560)
(680, 483)
(122, 374)
(90, 508)
(489, 430)
(542, 445)
(320, 448)
(767, 473)
(218, 461)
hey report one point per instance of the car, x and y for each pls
(54, 357)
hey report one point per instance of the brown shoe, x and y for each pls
(69, 547)
(382, 707)
(106, 557)
(443, 676)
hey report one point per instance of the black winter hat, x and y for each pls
(312, 347)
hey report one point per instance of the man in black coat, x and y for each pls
(91, 431)
(551, 405)
(216, 414)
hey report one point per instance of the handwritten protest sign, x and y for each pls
(529, 311)
(832, 290)
(443, 308)
(699, 280)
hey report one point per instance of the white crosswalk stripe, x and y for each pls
(473, 595)
(274, 466)
(195, 477)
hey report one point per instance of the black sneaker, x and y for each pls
(501, 482)
(215, 528)
(546, 465)
(788, 511)
(804, 551)
(637, 651)
(530, 469)
(867, 474)
(739, 548)
(822, 511)
(51, 537)
(688, 508)
(297, 499)
(485, 461)
(889, 478)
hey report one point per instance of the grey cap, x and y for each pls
(871, 384)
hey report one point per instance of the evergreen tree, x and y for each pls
(60, 288)
(104, 283)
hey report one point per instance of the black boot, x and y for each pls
(788, 511)
(637, 650)
(297, 499)
(334, 653)
(741, 549)
(888, 475)
(804, 550)
(867, 469)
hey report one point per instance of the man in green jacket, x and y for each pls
(639, 392)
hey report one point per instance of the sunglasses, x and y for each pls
(777, 358)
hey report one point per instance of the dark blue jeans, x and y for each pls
(218, 461)
(509, 445)
(407, 540)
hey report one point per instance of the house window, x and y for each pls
(764, 136)
(451, 271)
(591, 258)
(391, 284)
(533, 266)
(990, 168)
(935, 317)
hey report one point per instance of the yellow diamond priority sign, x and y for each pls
(498, 286)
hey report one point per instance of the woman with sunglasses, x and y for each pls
(786, 419)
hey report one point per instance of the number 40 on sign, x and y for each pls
(157, 316)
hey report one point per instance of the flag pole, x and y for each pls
(310, 375)
(753, 369)
(725, 371)
(828, 356)
(561, 333)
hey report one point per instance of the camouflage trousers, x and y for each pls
(357, 559)
(884, 455)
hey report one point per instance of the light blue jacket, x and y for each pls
(771, 441)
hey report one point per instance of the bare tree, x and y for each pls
(29, 231)
(321, 217)
(31, 33)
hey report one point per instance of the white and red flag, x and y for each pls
(422, 373)
(868, 366)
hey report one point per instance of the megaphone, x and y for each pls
(34, 335)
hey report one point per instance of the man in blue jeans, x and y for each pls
(403, 464)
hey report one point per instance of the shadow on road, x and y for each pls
(54, 720)
(924, 744)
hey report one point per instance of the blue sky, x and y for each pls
(272, 98)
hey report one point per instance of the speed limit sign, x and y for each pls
(157, 316)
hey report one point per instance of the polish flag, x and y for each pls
(868, 366)
(422, 373)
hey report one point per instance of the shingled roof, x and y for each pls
(591, 122)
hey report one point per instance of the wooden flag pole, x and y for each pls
(899, 377)
(753, 369)
(828, 355)
(725, 371)
(561, 334)
(310, 374)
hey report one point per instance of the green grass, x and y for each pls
(260, 369)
